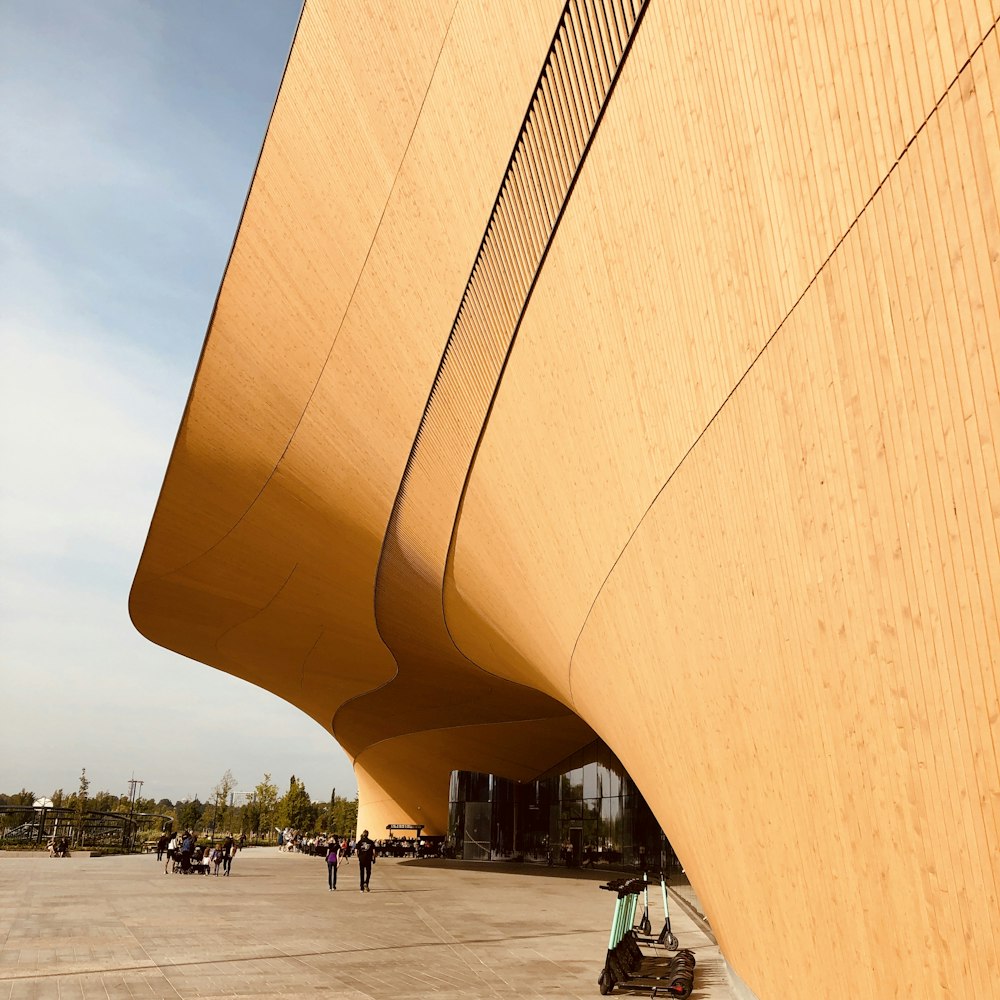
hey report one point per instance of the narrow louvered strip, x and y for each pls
(563, 94)
(581, 66)
(573, 85)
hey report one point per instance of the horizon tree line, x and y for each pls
(257, 814)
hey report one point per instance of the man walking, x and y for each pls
(365, 849)
(228, 847)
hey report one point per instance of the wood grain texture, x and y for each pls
(735, 505)
(785, 582)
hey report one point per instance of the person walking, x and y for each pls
(186, 850)
(171, 851)
(332, 861)
(365, 850)
(228, 847)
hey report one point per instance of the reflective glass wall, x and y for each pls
(589, 814)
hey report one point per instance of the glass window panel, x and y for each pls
(611, 829)
(456, 822)
(478, 788)
(612, 783)
(588, 858)
(590, 781)
(477, 832)
(575, 783)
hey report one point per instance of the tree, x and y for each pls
(296, 809)
(340, 817)
(142, 805)
(81, 804)
(265, 800)
(221, 795)
(344, 817)
(251, 816)
(189, 814)
(104, 801)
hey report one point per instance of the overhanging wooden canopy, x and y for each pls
(632, 369)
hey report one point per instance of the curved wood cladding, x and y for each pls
(785, 583)
(735, 502)
(405, 780)
(262, 555)
(696, 290)
(576, 80)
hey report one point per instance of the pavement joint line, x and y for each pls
(149, 958)
(154, 966)
(458, 947)
(539, 939)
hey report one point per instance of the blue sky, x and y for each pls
(129, 132)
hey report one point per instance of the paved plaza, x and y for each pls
(118, 928)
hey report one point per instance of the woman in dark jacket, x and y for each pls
(332, 860)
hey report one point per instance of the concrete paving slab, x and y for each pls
(118, 929)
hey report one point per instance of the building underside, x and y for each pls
(632, 370)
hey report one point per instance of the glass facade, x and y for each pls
(589, 812)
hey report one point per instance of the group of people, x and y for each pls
(291, 840)
(184, 854)
(336, 850)
(59, 848)
(338, 853)
(181, 852)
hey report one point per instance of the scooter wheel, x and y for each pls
(605, 983)
(672, 943)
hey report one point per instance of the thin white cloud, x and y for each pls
(82, 443)
(66, 113)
